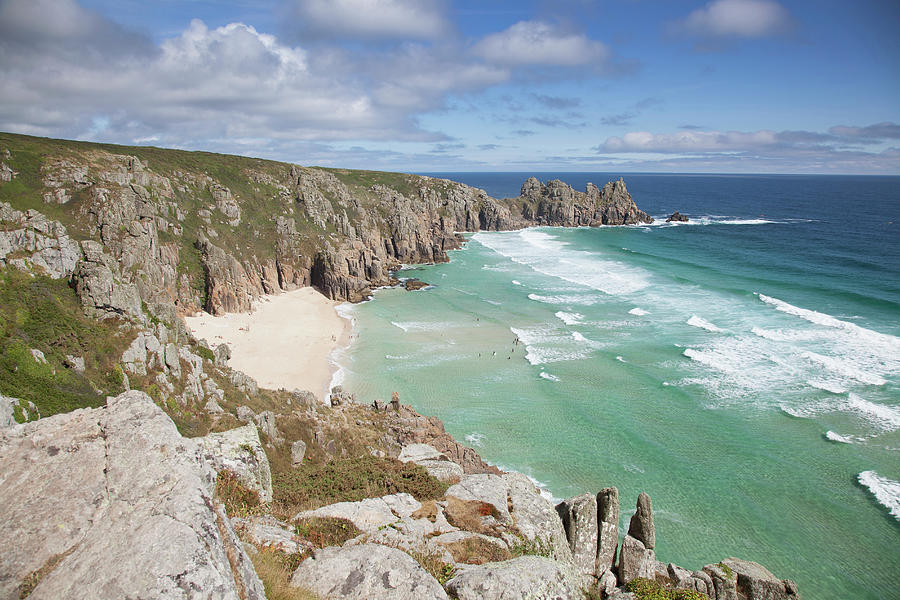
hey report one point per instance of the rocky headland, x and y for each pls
(135, 462)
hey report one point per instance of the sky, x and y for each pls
(725, 86)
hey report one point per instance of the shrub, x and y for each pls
(326, 531)
(238, 499)
(351, 480)
(646, 589)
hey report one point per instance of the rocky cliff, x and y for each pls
(195, 230)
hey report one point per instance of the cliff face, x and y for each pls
(196, 230)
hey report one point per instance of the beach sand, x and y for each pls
(284, 342)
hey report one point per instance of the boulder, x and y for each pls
(607, 583)
(266, 423)
(99, 286)
(298, 451)
(370, 514)
(76, 363)
(579, 519)
(724, 581)
(221, 355)
(266, 531)
(113, 503)
(533, 577)
(39, 242)
(366, 571)
(434, 462)
(641, 526)
(635, 560)
(245, 414)
(607, 528)
(304, 398)
(677, 217)
(755, 582)
(240, 451)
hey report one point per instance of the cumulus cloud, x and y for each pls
(69, 72)
(878, 131)
(537, 43)
(736, 18)
(407, 19)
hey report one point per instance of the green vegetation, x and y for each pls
(40, 313)
(535, 547)
(645, 589)
(353, 479)
(728, 572)
(238, 499)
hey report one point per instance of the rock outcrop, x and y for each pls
(29, 240)
(114, 503)
(367, 571)
(524, 577)
(677, 217)
(556, 203)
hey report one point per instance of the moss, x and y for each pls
(206, 353)
(729, 574)
(646, 589)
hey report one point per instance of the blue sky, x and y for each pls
(761, 86)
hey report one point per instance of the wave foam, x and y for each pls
(476, 439)
(836, 437)
(548, 376)
(545, 254)
(514, 282)
(565, 299)
(640, 312)
(886, 418)
(844, 368)
(569, 318)
(885, 490)
(408, 326)
(702, 323)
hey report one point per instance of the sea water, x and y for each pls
(742, 368)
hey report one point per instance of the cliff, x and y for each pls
(198, 230)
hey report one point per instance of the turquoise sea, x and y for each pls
(743, 369)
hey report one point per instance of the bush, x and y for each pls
(646, 589)
(326, 531)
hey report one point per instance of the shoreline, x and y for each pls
(287, 341)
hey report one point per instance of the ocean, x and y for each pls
(743, 369)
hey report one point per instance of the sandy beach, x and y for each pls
(284, 342)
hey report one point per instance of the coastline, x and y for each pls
(287, 340)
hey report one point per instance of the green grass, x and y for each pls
(45, 314)
(351, 480)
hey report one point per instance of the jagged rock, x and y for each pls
(243, 382)
(304, 398)
(641, 526)
(266, 423)
(678, 217)
(724, 582)
(100, 288)
(8, 408)
(370, 514)
(556, 203)
(298, 451)
(412, 284)
(222, 355)
(213, 407)
(456, 537)
(76, 363)
(38, 356)
(516, 500)
(635, 560)
(434, 462)
(120, 503)
(240, 451)
(45, 243)
(367, 571)
(532, 577)
(579, 519)
(339, 396)
(755, 582)
(607, 583)
(245, 414)
(6, 173)
(608, 527)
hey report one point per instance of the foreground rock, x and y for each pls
(533, 577)
(366, 571)
(114, 503)
(755, 582)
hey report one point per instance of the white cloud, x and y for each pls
(737, 18)
(690, 141)
(538, 43)
(409, 19)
